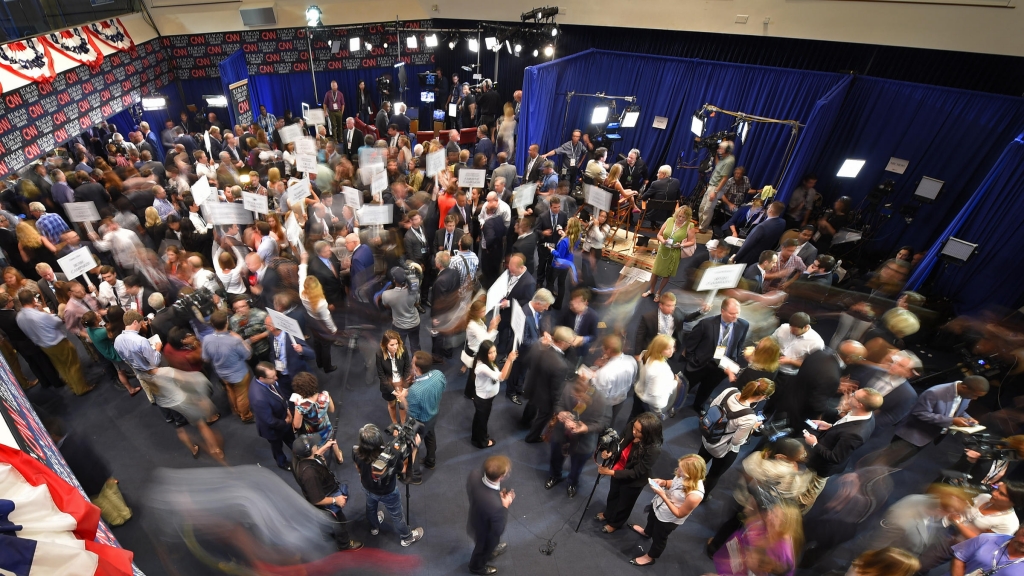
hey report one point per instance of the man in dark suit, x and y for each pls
(488, 512)
(526, 243)
(547, 232)
(667, 319)
(289, 353)
(521, 288)
(92, 191)
(361, 265)
(166, 317)
(664, 188)
(444, 300)
(548, 372)
(351, 139)
(754, 274)
(136, 289)
(805, 395)
(537, 324)
(582, 320)
(534, 169)
(327, 269)
(47, 283)
(447, 239)
(270, 406)
(711, 339)
(263, 281)
(492, 245)
(765, 236)
(831, 445)
(504, 170)
(893, 384)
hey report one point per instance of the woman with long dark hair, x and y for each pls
(364, 103)
(630, 468)
(488, 382)
(393, 369)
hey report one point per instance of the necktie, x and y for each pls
(553, 220)
(726, 334)
(448, 241)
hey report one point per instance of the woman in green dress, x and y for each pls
(677, 239)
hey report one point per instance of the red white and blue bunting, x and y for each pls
(113, 34)
(28, 59)
(77, 45)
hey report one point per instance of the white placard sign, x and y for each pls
(201, 191)
(897, 165)
(594, 196)
(305, 163)
(721, 277)
(375, 214)
(77, 263)
(290, 133)
(631, 274)
(81, 211)
(435, 162)
(316, 116)
(497, 292)
(373, 156)
(255, 202)
(379, 183)
(366, 173)
(353, 197)
(660, 122)
(518, 324)
(226, 213)
(305, 145)
(472, 178)
(285, 323)
(523, 196)
(298, 190)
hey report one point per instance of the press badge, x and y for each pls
(719, 352)
(572, 162)
(279, 365)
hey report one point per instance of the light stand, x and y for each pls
(312, 68)
(611, 104)
(604, 463)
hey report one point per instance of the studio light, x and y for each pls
(549, 51)
(368, 46)
(451, 43)
(957, 251)
(539, 14)
(489, 42)
(216, 101)
(313, 15)
(554, 31)
(474, 45)
(431, 40)
(517, 48)
(385, 45)
(850, 168)
(399, 64)
(353, 44)
(928, 189)
(744, 128)
(155, 102)
(697, 125)
(535, 52)
(600, 115)
(630, 117)
(412, 43)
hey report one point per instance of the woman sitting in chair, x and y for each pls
(620, 196)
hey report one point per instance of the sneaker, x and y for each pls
(380, 520)
(417, 533)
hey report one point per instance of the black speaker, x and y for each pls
(265, 16)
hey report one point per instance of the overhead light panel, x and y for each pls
(850, 168)
(474, 45)
(353, 44)
(216, 101)
(489, 42)
(743, 130)
(630, 117)
(430, 40)
(697, 125)
(155, 102)
(600, 115)
(412, 43)
(313, 15)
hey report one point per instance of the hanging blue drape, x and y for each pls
(234, 69)
(673, 88)
(813, 137)
(951, 135)
(992, 220)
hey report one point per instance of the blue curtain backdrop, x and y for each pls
(991, 219)
(951, 135)
(234, 69)
(674, 88)
(813, 137)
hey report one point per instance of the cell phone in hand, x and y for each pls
(811, 424)
(653, 483)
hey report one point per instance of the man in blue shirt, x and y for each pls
(549, 181)
(47, 332)
(229, 354)
(423, 401)
(988, 554)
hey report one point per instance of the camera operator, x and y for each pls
(320, 486)
(629, 464)
(489, 102)
(380, 488)
(581, 413)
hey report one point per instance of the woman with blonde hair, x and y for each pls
(762, 361)
(273, 176)
(155, 226)
(674, 501)
(563, 255)
(394, 368)
(656, 382)
(768, 545)
(888, 561)
(506, 130)
(677, 239)
(620, 195)
(319, 312)
(476, 333)
(738, 408)
(33, 249)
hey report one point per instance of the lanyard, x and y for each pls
(995, 559)
(573, 153)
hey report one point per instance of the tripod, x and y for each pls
(604, 463)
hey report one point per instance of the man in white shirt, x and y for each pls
(796, 340)
(204, 169)
(495, 207)
(615, 374)
(124, 244)
(111, 290)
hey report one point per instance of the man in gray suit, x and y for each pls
(937, 408)
(504, 170)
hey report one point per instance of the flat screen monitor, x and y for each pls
(957, 250)
(427, 96)
(439, 115)
(928, 189)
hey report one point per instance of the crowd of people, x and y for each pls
(181, 301)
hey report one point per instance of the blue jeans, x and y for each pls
(393, 504)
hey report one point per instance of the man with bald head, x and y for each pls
(713, 338)
(821, 376)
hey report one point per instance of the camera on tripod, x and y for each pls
(609, 442)
(711, 141)
(384, 88)
(398, 448)
(200, 303)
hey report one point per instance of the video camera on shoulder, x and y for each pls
(397, 449)
(199, 303)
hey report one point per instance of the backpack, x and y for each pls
(714, 425)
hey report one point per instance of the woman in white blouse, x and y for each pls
(289, 158)
(597, 232)
(476, 333)
(657, 381)
(739, 403)
(673, 503)
(229, 270)
(488, 382)
(324, 329)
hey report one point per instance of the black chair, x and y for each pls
(652, 207)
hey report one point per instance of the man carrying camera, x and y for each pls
(378, 475)
(581, 414)
(423, 401)
(320, 486)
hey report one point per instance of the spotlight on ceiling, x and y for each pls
(154, 102)
(412, 43)
(353, 44)
(313, 15)
(385, 45)
(474, 45)
(549, 51)
(431, 40)
(453, 41)
(535, 53)
(554, 31)
(508, 46)
(489, 42)
(517, 48)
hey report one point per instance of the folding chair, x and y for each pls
(667, 207)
